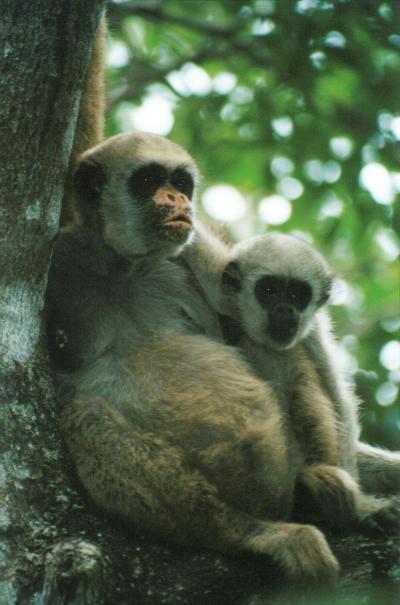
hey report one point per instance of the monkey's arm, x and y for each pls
(143, 479)
(206, 256)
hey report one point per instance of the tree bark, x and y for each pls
(54, 549)
(45, 50)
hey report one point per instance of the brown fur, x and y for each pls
(325, 493)
(168, 428)
(311, 412)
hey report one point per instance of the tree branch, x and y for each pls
(139, 74)
(153, 11)
(221, 40)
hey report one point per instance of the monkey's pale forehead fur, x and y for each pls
(281, 254)
(126, 149)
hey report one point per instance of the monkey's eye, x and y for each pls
(271, 290)
(182, 180)
(299, 293)
(268, 289)
(145, 180)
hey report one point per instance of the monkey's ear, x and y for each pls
(328, 289)
(89, 179)
(323, 299)
(231, 277)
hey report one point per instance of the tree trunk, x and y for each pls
(45, 49)
(53, 548)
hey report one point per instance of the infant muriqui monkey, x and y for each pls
(273, 293)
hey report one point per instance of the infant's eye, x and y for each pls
(268, 289)
(272, 289)
(299, 292)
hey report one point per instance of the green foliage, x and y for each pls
(317, 83)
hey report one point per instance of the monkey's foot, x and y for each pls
(379, 515)
(326, 495)
(301, 551)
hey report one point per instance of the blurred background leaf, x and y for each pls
(292, 111)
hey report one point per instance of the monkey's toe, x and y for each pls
(384, 519)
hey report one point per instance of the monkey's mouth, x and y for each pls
(283, 336)
(180, 221)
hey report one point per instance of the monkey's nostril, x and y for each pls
(284, 310)
(171, 197)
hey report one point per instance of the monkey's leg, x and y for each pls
(227, 422)
(328, 360)
(144, 480)
(379, 469)
(312, 414)
(325, 493)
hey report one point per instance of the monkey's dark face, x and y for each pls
(283, 300)
(137, 192)
(274, 287)
(165, 196)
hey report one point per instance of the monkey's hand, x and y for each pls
(328, 496)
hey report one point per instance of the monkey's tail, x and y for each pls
(90, 122)
(379, 469)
